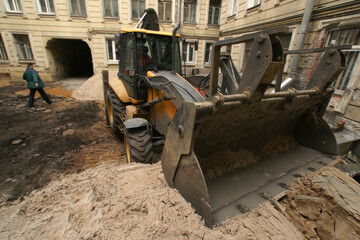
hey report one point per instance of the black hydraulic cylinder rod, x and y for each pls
(173, 48)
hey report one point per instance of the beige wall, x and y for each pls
(93, 30)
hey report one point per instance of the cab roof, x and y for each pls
(141, 30)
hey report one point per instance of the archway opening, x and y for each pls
(69, 58)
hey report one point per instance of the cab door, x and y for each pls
(126, 63)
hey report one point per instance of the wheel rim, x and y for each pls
(127, 150)
(110, 112)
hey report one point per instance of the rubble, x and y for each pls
(325, 205)
(16, 142)
(68, 132)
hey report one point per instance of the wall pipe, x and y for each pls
(304, 26)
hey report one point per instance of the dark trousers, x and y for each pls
(42, 93)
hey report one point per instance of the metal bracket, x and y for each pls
(328, 69)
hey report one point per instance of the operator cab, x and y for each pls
(144, 51)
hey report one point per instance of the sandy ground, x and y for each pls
(113, 201)
(92, 89)
(126, 202)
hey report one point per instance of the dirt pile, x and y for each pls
(325, 205)
(92, 89)
(115, 201)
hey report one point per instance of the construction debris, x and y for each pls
(325, 205)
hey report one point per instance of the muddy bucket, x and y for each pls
(227, 156)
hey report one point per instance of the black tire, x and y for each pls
(138, 145)
(115, 112)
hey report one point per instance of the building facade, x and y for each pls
(332, 23)
(70, 38)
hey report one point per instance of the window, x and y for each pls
(156, 54)
(340, 38)
(188, 52)
(78, 8)
(111, 50)
(23, 46)
(13, 5)
(111, 8)
(46, 6)
(208, 49)
(190, 11)
(285, 41)
(252, 3)
(127, 62)
(214, 12)
(165, 10)
(138, 7)
(232, 7)
(3, 55)
(129, 54)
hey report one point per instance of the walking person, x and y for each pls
(34, 83)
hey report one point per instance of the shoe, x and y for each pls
(49, 102)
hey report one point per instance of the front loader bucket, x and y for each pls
(226, 157)
(232, 152)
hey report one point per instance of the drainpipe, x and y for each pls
(179, 11)
(174, 37)
(173, 48)
(301, 38)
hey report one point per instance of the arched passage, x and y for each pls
(69, 58)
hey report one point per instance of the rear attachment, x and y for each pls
(232, 152)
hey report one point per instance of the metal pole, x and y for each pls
(179, 11)
(141, 19)
(173, 50)
(301, 37)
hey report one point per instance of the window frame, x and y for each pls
(138, 9)
(17, 48)
(189, 12)
(254, 4)
(213, 16)
(165, 2)
(108, 60)
(19, 6)
(188, 42)
(3, 47)
(235, 4)
(78, 15)
(47, 4)
(354, 67)
(208, 63)
(104, 10)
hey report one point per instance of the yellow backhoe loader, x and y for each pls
(229, 144)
